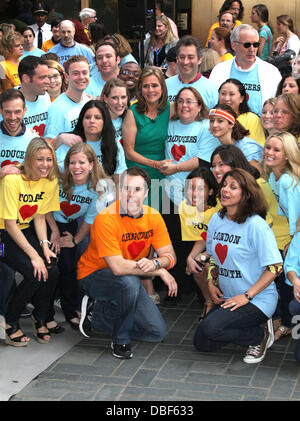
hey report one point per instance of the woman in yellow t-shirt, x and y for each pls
(11, 47)
(195, 211)
(26, 198)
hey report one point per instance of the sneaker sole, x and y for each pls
(83, 314)
(121, 357)
(271, 333)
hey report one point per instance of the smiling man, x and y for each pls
(107, 67)
(259, 78)
(64, 111)
(188, 56)
(14, 135)
(111, 269)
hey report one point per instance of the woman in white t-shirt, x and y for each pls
(288, 39)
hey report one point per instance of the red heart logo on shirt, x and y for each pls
(27, 211)
(135, 248)
(178, 152)
(69, 209)
(204, 235)
(8, 162)
(39, 129)
(221, 252)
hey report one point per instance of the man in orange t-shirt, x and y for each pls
(116, 259)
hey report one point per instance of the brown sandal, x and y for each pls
(281, 331)
(17, 340)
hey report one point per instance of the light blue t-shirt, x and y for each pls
(62, 151)
(266, 33)
(95, 85)
(287, 193)
(36, 115)
(249, 78)
(13, 148)
(37, 52)
(64, 53)
(242, 252)
(206, 88)
(117, 123)
(63, 115)
(292, 259)
(250, 148)
(186, 141)
(82, 204)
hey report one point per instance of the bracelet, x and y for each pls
(171, 260)
(177, 168)
(157, 264)
(44, 241)
(247, 296)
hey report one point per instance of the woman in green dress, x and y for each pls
(145, 129)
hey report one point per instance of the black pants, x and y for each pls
(30, 289)
(182, 249)
(68, 286)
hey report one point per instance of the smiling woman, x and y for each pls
(242, 308)
(27, 198)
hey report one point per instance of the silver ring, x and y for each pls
(298, 295)
(233, 304)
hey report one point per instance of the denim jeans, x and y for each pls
(123, 308)
(221, 326)
(30, 289)
(294, 308)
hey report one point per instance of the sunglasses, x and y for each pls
(248, 44)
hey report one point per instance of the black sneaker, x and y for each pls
(87, 307)
(121, 351)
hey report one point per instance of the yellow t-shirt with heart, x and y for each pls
(194, 224)
(22, 200)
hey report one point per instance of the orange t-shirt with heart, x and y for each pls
(113, 235)
(23, 200)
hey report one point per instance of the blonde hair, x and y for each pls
(52, 64)
(8, 43)
(169, 35)
(292, 152)
(33, 147)
(95, 174)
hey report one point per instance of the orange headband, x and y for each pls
(221, 113)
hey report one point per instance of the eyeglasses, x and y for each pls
(248, 44)
(235, 8)
(187, 102)
(94, 17)
(129, 73)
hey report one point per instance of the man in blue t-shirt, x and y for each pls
(259, 78)
(14, 135)
(64, 111)
(106, 67)
(33, 73)
(67, 47)
(188, 56)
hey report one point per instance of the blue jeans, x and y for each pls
(294, 308)
(123, 308)
(222, 326)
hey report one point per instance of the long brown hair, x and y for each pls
(95, 175)
(252, 201)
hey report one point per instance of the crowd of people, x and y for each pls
(122, 186)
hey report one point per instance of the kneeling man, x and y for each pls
(111, 268)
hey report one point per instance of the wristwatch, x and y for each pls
(157, 264)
